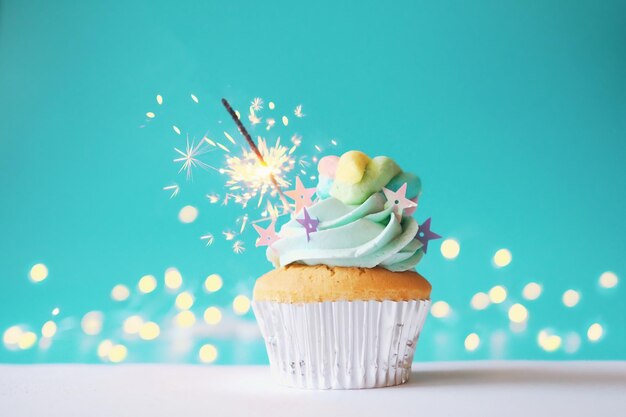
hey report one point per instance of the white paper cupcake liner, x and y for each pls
(341, 344)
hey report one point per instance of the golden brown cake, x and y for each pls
(308, 284)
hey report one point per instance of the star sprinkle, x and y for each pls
(398, 199)
(302, 196)
(310, 225)
(267, 237)
(424, 234)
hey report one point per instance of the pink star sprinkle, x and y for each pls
(267, 237)
(302, 196)
(398, 199)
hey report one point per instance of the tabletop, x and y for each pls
(435, 389)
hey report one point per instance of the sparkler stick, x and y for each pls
(256, 151)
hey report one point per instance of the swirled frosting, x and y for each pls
(365, 235)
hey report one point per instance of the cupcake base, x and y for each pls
(341, 344)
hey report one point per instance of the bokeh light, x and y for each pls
(571, 298)
(531, 291)
(104, 348)
(173, 278)
(120, 292)
(241, 304)
(595, 332)
(38, 273)
(518, 313)
(502, 258)
(147, 284)
(450, 248)
(117, 353)
(132, 324)
(213, 283)
(480, 301)
(548, 341)
(27, 340)
(207, 353)
(185, 319)
(440, 309)
(48, 329)
(212, 315)
(91, 323)
(472, 341)
(184, 301)
(497, 294)
(149, 331)
(608, 279)
(11, 337)
(572, 343)
(188, 214)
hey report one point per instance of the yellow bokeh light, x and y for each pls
(207, 353)
(91, 323)
(150, 115)
(184, 301)
(11, 337)
(147, 284)
(271, 105)
(480, 301)
(450, 248)
(212, 315)
(117, 353)
(531, 291)
(440, 309)
(502, 258)
(188, 214)
(49, 329)
(56, 311)
(38, 273)
(133, 324)
(285, 120)
(571, 298)
(548, 342)
(595, 332)
(173, 278)
(497, 294)
(27, 340)
(608, 279)
(213, 283)
(518, 313)
(149, 331)
(120, 292)
(472, 341)
(104, 348)
(185, 318)
(241, 304)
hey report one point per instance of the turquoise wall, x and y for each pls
(512, 112)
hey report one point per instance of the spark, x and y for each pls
(256, 104)
(213, 198)
(150, 115)
(298, 111)
(228, 235)
(318, 148)
(238, 247)
(190, 158)
(248, 179)
(159, 99)
(334, 142)
(176, 129)
(270, 123)
(296, 140)
(223, 147)
(243, 220)
(173, 187)
(230, 138)
(209, 141)
(208, 238)
(194, 98)
(254, 119)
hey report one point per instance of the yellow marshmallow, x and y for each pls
(351, 167)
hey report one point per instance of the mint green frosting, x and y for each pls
(365, 235)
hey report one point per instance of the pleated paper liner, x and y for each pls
(341, 344)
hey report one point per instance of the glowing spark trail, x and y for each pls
(208, 238)
(173, 187)
(298, 111)
(190, 158)
(238, 247)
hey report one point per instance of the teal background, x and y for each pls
(512, 112)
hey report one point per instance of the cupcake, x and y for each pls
(344, 307)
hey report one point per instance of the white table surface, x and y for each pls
(436, 389)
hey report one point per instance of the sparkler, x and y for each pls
(256, 151)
